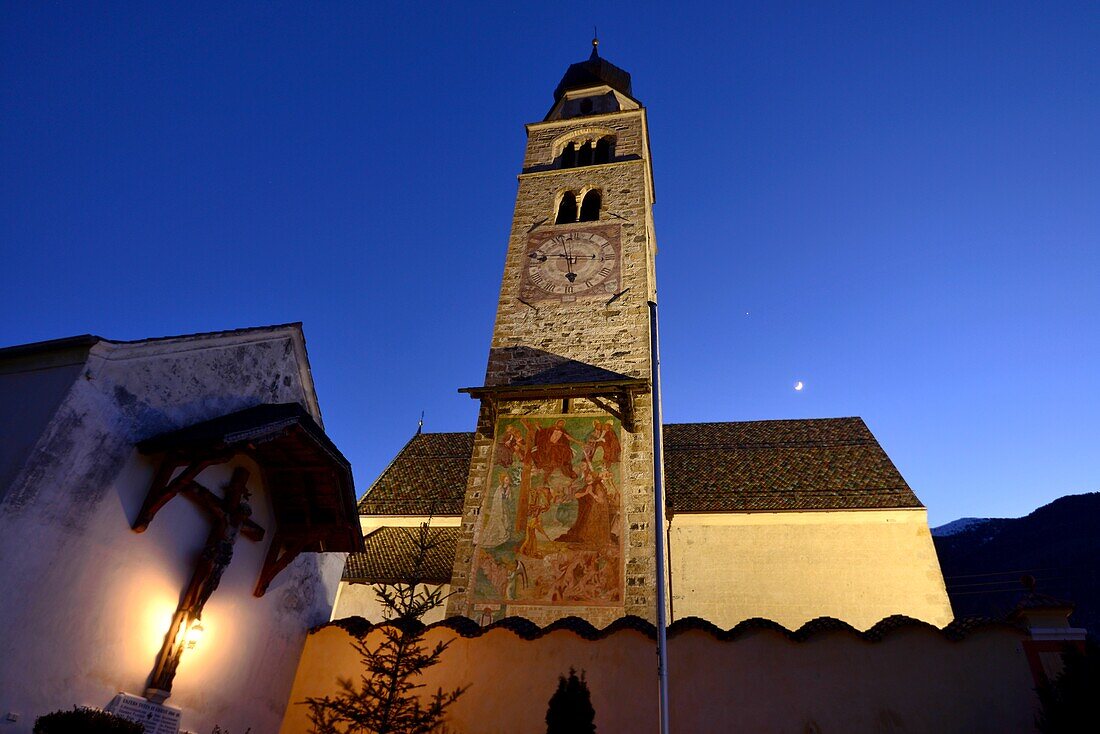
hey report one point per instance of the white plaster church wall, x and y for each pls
(361, 600)
(87, 601)
(859, 566)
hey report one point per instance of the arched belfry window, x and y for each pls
(584, 155)
(569, 156)
(590, 206)
(603, 150)
(567, 209)
(591, 146)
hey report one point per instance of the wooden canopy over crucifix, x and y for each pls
(306, 477)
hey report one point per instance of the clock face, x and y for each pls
(568, 264)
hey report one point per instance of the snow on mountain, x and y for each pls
(957, 526)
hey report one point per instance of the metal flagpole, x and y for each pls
(659, 517)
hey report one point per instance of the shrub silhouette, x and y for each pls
(570, 710)
(84, 721)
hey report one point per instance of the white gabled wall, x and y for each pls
(87, 601)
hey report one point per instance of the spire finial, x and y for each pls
(595, 42)
(420, 423)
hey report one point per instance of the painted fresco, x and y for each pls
(550, 530)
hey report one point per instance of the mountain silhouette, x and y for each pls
(1058, 544)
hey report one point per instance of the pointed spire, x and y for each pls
(593, 71)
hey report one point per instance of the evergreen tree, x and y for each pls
(570, 710)
(385, 700)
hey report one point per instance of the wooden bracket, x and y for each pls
(164, 487)
(626, 404)
(623, 409)
(607, 407)
(491, 404)
(280, 554)
(614, 396)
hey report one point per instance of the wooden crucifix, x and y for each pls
(230, 517)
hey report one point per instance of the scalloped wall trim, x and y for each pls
(528, 630)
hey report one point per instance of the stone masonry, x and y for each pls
(610, 336)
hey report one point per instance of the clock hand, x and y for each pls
(569, 260)
(617, 296)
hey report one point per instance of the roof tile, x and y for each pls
(427, 477)
(748, 466)
(759, 466)
(391, 556)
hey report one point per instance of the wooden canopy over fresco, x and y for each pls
(614, 396)
(308, 479)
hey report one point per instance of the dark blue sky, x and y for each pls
(898, 204)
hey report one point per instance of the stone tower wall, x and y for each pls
(616, 336)
(597, 331)
(628, 128)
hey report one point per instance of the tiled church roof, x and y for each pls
(427, 477)
(749, 466)
(758, 466)
(391, 553)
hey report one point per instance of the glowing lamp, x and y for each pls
(194, 634)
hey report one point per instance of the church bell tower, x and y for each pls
(558, 515)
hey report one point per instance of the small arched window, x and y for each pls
(593, 146)
(603, 150)
(590, 207)
(567, 208)
(584, 155)
(569, 156)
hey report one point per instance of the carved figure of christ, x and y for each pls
(229, 516)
